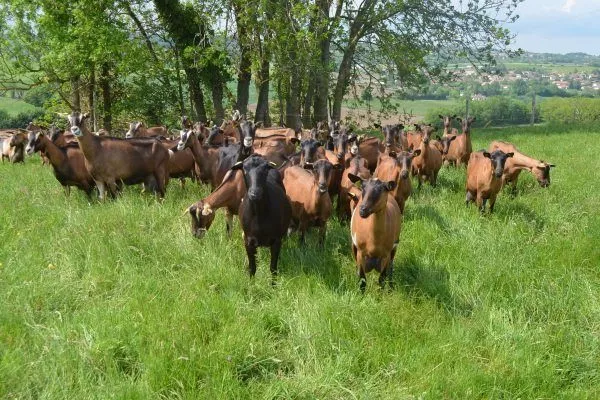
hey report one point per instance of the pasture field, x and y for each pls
(118, 300)
(14, 107)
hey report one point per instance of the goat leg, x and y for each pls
(275, 249)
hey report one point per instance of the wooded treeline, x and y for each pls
(166, 58)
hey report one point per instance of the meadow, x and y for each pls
(14, 107)
(118, 300)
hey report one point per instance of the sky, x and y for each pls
(558, 26)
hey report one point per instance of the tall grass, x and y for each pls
(119, 300)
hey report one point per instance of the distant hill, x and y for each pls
(551, 58)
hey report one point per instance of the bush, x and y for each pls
(575, 110)
(20, 120)
(494, 111)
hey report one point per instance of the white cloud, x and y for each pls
(568, 6)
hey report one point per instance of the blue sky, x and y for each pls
(558, 26)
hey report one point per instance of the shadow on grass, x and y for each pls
(428, 282)
(427, 212)
(517, 210)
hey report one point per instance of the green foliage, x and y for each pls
(118, 300)
(572, 111)
(493, 111)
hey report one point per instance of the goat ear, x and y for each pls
(237, 165)
(510, 154)
(416, 152)
(390, 185)
(486, 154)
(392, 153)
(309, 166)
(551, 165)
(453, 137)
(354, 178)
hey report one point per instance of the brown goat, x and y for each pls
(519, 162)
(207, 159)
(228, 194)
(355, 165)
(138, 129)
(307, 191)
(414, 138)
(447, 121)
(112, 160)
(397, 167)
(484, 177)
(375, 230)
(67, 162)
(427, 164)
(461, 148)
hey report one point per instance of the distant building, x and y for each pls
(478, 97)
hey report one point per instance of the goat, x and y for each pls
(307, 191)
(484, 177)
(447, 122)
(461, 148)
(427, 164)
(228, 194)
(394, 138)
(375, 231)
(138, 129)
(396, 167)
(355, 165)
(68, 163)
(519, 162)
(265, 211)
(110, 160)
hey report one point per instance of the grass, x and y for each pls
(13, 107)
(419, 108)
(119, 300)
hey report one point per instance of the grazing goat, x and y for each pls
(265, 212)
(427, 164)
(111, 160)
(484, 177)
(138, 129)
(396, 167)
(307, 191)
(375, 231)
(519, 162)
(228, 194)
(461, 148)
(68, 163)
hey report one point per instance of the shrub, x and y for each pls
(575, 110)
(494, 111)
(20, 120)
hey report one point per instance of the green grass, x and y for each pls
(419, 108)
(14, 107)
(118, 300)
(550, 68)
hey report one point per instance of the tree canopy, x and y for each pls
(159, 60)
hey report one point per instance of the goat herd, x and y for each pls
(258, 174)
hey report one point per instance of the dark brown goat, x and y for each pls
(67, 162)
(111, 160)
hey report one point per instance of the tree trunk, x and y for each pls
(196, 95)
(179, 83)
(343, 80)
(307, 120)
(262, 106)
(106, 97)
(217, 98)
(244, 72)
(322, 72)
(75, 93)
(292, 98)
(91, 97)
